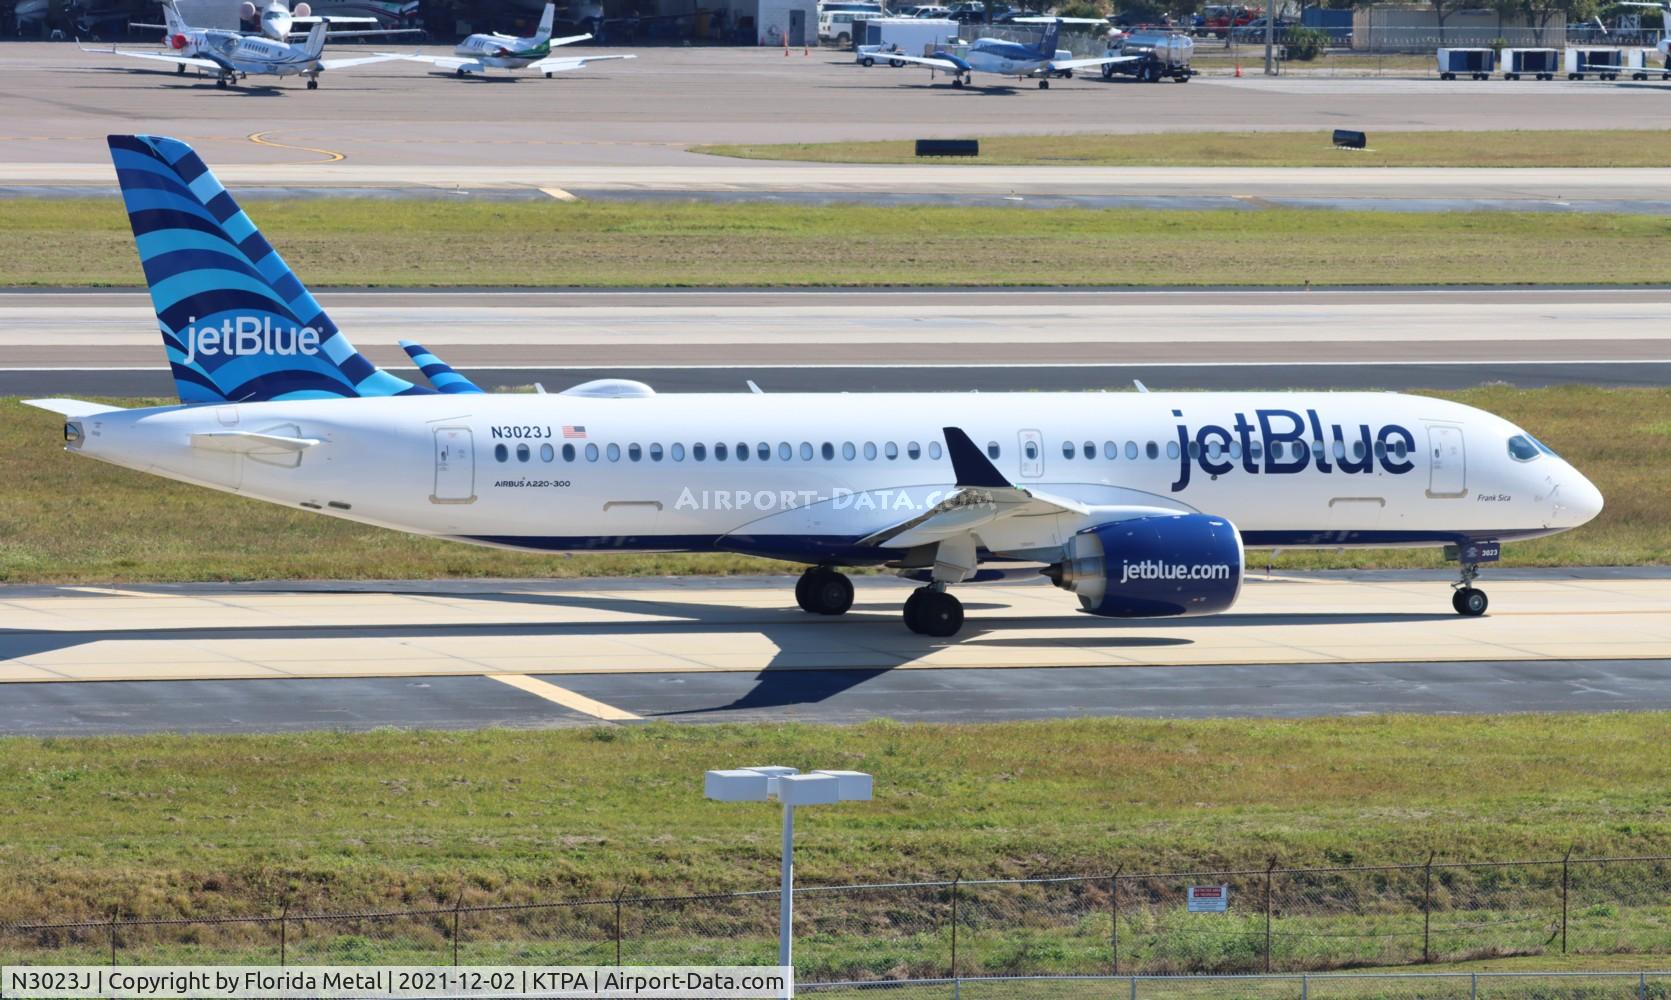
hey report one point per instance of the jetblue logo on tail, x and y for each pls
(246, 335)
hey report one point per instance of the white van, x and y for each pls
(837, 25)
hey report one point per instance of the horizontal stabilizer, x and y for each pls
(70, 407)
(439, 373)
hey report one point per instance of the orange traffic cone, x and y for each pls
(1238, 70)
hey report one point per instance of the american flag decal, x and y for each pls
(574, 430)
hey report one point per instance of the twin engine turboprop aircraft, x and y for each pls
(1006, 58)
(1138, 503)
(479, 53)
(233, 55)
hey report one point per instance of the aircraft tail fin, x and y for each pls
(315, 44)
(1047, 44)
(236, 322)
(548, 20)
(439, 373)
(171, 18)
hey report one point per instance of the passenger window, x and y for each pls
(501, 453)
(806, 451)
(568, 453)
(614, 453)
(848, 452)
(870, 451)
(1400, 449)
(764, 451)
(1255, 449)
(1110, 450)
(1339, 450)
(591, 453)
(1131, 449)
(698, 452)
(1067, 449)
(677, 452)
(655, 453)
(992, 450)
(1195, 449)
(933, 450)
(1214, 450)
(546, 453)
(1521, 448)
(891, 450)
(1153, 450)
(1381, 450)
(1358, 449)
(1235, 449)
(634, 452)
(828, 451)
(719, 452)
(742, 451)
(1317, 450)
(1088, 449)
(785, 451)
(1172, 449)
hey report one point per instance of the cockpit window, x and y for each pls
(1544, 448)
(1522, 448)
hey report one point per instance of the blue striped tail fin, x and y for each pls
(236, 322)
(439, 373)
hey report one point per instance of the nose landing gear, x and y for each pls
(1467, 599)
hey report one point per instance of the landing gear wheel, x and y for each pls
(180, 70)
(548, 76)
(220, 81)
(313, 84)
(1108, 72)
(1469, 601)
(957, 83)
(1044, 84)
(460, 71)
(823, 591)
(933, 613)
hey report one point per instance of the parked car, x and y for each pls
(1254, 30)
(1218, 19)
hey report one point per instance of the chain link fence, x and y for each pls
(1272, 920)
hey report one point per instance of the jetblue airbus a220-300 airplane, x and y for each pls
(1139, 503)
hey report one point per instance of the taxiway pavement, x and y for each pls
(229, 657)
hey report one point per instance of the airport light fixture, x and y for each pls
(791, 788)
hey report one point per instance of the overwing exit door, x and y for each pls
(1032, 454)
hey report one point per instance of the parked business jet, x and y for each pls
(479, 53)
(279, 22)
(1664, 9)
(233, 55)
(1006, 58)
(1138, 503)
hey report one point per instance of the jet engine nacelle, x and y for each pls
(1154, 567)
(302, 10)
(246, 12)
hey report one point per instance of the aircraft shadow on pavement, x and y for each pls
(787, 678)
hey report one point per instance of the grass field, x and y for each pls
(167, 826)
(1258, 149)
(418, 243)
(129, 527)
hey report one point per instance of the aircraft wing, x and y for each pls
(569, 39)
(357, 61)
(945, 64)
(982, 496)
(575, 62)
(362, 34)
(158, 56)
(333, 19)
(444, 62)
(1103, 61)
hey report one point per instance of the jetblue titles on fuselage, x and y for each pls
(1288, 440)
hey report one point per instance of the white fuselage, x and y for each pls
(249, 54)
(501, 51)
(559, 472)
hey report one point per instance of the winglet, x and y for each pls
(971, 466)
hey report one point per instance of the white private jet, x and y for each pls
(1138, 503)
(479, 53)
(278, 21)
(999, 56)
(233, 55)
(1664, 9)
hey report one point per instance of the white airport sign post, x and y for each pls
(791, 788)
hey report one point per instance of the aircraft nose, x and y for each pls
(1578, 500)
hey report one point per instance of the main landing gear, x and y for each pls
(931, 610)
(1466, 598)
(313, 84)
(823, 591)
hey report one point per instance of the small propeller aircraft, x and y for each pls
(479, 53)
(233, 55)
(1006, 58)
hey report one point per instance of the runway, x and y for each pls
(231, 658)
(104, 343)
(627, 126)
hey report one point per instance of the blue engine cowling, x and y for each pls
(1154, 567)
